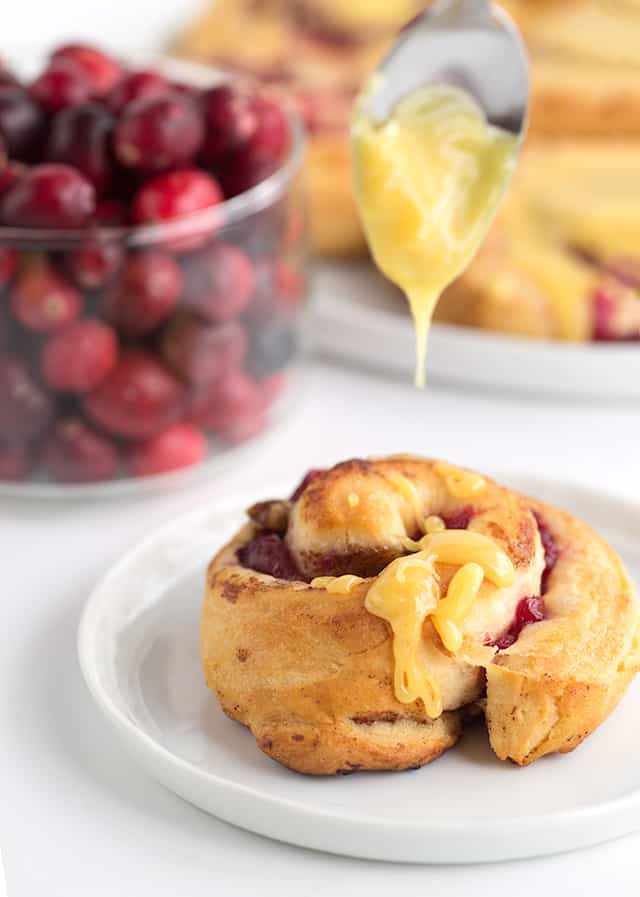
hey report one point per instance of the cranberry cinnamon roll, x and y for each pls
(361, 623)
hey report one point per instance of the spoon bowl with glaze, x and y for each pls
(470, 44)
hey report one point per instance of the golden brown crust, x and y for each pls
(311, 672)
(564, 676)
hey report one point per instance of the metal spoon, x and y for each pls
(468, 43)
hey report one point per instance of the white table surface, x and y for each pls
(78, 818)
(76, 815)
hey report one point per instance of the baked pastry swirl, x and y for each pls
(361, 623)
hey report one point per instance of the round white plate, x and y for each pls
(138, 646)
(362, 319)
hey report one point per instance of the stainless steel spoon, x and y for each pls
(471, 44)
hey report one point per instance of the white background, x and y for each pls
(76, 816)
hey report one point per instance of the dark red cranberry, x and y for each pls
(80, 136)
(6, 75)
(25, 409)
(218, 282)
(145, 293)
(42, 300)
(550, 546)
(201, 353)
(309, 477)
(15, 463)
(262, 155)
(180, 445)
(459, 519)
(101, 70)
(94, 265)
(4, 157)
(110, 213)
(74, 453)
(10, 174)
(137, 400)
(272, 347)
(159, 132)
(174, 195)
(51, 195)
(62, 84)
(268, 553)
(135, 86)
(231, 120)
(6, 329)
(79, 357)
(8, 265)
(21, 122)
(528, 610)
(232, 407)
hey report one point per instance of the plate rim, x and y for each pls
(132, 734)
(358, 322)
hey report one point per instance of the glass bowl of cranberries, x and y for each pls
(152, 269)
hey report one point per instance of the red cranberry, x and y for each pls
(159, 132)
(145, 293)
(459, 519)
(42, 300)
(21, 122)
(80, 136)
(219, 282)
(8, 265)
(175, 194)
(137, 400)
(230, 121)
(74, 453)
(290, 287)
(528, 610)
(309, 477)
(180, 445)
(95, 264)
(62, 84)
(15, 463)
(263, 153)
(110, 213)
(25, 410)
(604, 307)
(201, 353)
(101, 70)
(48, 196)
(268, 553)
(231, 406)
(79, 357)
(135, 86)
(10, 174)
(550, 546)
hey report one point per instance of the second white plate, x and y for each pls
(362, 319)
(139, 651)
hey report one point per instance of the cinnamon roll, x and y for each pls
(361, 623)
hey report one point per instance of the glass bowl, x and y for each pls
(207, 314)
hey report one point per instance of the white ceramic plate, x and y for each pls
(138, 646)
(362, 319)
